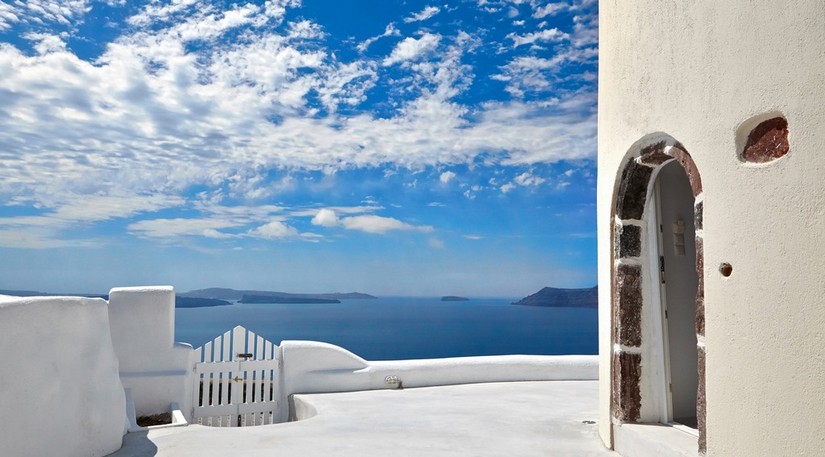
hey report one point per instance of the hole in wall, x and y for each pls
(726, 269)
(763, 138)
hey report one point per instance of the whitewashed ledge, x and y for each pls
(313, 367)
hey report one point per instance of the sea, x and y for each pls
(394, 328)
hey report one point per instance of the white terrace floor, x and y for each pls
(499, 419)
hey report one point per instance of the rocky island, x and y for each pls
(454, 298)
(284, 300)
(563, 298)
(237, 295)
(193, 302)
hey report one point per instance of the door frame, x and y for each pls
(632, 380)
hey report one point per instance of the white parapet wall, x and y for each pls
(157, 370)
(313, 367)
(60, 393)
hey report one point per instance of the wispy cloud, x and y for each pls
(528, 179)
(424, 14)
(65, 12)
(380, 225)
(178, 227)
(196, 95)
(390, 30)
(551, 35)
(550, 9)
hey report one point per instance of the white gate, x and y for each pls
(237, 380)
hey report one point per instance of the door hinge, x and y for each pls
(662, 268)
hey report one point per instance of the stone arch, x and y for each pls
(629, 272)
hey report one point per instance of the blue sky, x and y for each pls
(393, 148)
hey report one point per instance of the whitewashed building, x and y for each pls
(711, 210)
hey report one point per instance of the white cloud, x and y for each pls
(155, 12)
(336, 209)
(446, 177)
(39, 238)
(436, 205)
(436, 243)
(410, 49)
(536, 74)
(552, 35)
(528, 179)
(424, 14)
(325, 218)
(380, 225)
(550, 9)
(473, 237)
(525, 179)
(102, 207)
(274, 230)
(8, 15)
(153, 116)
(41, 12)
(177, 227)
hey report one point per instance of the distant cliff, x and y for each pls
(278, 299)
(193, 302)
(563, 298)
(454, 298)
(233, 294)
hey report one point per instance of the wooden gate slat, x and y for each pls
(227, 346)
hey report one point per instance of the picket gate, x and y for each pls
(237, 380)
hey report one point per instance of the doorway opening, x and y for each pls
(657, 290)
(675, 235)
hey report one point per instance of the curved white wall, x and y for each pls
(313, 367)
(60, 392)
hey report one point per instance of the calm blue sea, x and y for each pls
(405, 328)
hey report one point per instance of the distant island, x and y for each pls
(454, 298)
(237, 295)
(194, 302)
(279, 299)
(563, 298)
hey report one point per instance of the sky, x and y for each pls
(389, 147)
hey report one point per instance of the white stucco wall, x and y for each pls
(157, 370)
(313, 367)
(60, 393)
(696, 71)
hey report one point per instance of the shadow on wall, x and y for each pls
(136, 444)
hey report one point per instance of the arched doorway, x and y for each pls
(657, 372)
(673, 219)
